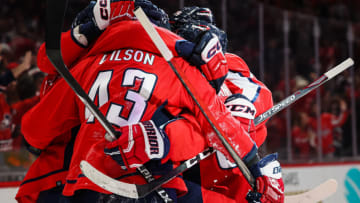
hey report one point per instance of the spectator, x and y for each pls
(330, 120)
(13, 70)
(303, 136)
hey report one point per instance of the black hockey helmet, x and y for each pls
(194, 29)
(187, 14)
(191, 22)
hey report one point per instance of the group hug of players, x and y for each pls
(111, 56)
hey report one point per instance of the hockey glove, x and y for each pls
(155, 14)
(206, 54)
(193, 29)
(243, 110)
(96, 17)
(269, 182)
(90, 23)
(139, 144)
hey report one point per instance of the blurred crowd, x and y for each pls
(20, 79)
(22, 25)
(316, 120)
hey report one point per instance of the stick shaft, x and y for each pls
(300, 93)
(164, 50)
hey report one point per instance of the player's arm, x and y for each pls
(54, 115)
(231, 127)
(69, 49)
(241, 81)
(86, 27)
(203, 49)
(186, 137)
(137, 144)
(239, 139)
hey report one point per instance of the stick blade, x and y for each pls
(107, 183)
(319, 193)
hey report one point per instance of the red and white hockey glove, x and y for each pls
(269, 182)
(243, 110)
(96, 17)
(139, 144)
(207, 55)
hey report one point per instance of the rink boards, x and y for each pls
(297, 178)
(303, 177)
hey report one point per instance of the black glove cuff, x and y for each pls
(184, 48)
(90, 31)
(35, 151)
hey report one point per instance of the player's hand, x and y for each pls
(206, 54)
(201, 50)
(243, 110)
(208, 43)
(269, 182)
(139, 144)
(97, 16)
(89, 23)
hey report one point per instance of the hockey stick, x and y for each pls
(134, 190)
(168, 56)
(55, 13)
(138, 191)
(300, 93)
(319, 193)
(314, 195)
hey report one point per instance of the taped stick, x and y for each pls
(166, 53)
(134, 190)
(300, 93)
(317, 194)
(138, 191)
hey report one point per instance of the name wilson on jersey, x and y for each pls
(129, 55)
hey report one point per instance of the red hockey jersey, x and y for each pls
(224, 182)
(241, 80)
(128, 84)
(50, 169)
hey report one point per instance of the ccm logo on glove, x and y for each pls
(212, 48)
(104, 13)
(240, 106)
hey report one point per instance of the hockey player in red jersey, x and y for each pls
(46, 177)
(110, 65)
(245, 97)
